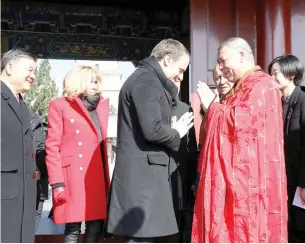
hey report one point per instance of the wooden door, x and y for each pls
(212, 22)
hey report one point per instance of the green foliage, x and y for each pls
(43, 91)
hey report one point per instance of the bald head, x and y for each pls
(237, 43)
(222, 84)
(235, 58)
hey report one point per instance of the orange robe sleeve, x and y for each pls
(242, 194)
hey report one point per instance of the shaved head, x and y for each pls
(240, 45)
(235, 58)
(222, 84)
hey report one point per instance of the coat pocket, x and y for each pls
(158, 159)
(10, 179)
(66, 162)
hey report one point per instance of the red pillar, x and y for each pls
(273, 30)
(297, 29)
(199, 66)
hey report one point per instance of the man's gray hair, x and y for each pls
(15, 54)
(169, 47)
(237, 43)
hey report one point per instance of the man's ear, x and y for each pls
(167, 60)
(9, 68)
(242, 56)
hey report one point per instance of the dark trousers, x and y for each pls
(300, 236)
(38, 214)
(294, 235)
(93, 231)
(128, 239)
(162, 239)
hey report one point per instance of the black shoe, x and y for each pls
(72, 232)
(93, 231)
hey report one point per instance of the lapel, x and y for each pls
(172, 104)
(102, 112)
(169, 97)
(8, 95)
(169, 88)
(26, 117)
(292, 104)
(86, 113)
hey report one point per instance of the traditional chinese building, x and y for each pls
(128, 29)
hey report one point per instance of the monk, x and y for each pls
(242, 194)
(223, 86)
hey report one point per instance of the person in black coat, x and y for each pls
(39, 141)
(184, 176)
(18, 168)
(288, 71)
(141, 206)
(40, 149)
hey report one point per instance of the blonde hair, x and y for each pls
(77, 79)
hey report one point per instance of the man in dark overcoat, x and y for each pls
(18, 168)
(141, 206)
(184, 176)
(39, 140)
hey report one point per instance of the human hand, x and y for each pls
(183, 124)
(59, 195)
(206, 95)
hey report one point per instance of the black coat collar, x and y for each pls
(6, 91)
(292, 103)
(152, 64)
(8, 95)
(294, 96)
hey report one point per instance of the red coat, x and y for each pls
(74, 157)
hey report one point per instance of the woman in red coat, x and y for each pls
(77, 154)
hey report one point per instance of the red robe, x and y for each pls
(242, 194)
